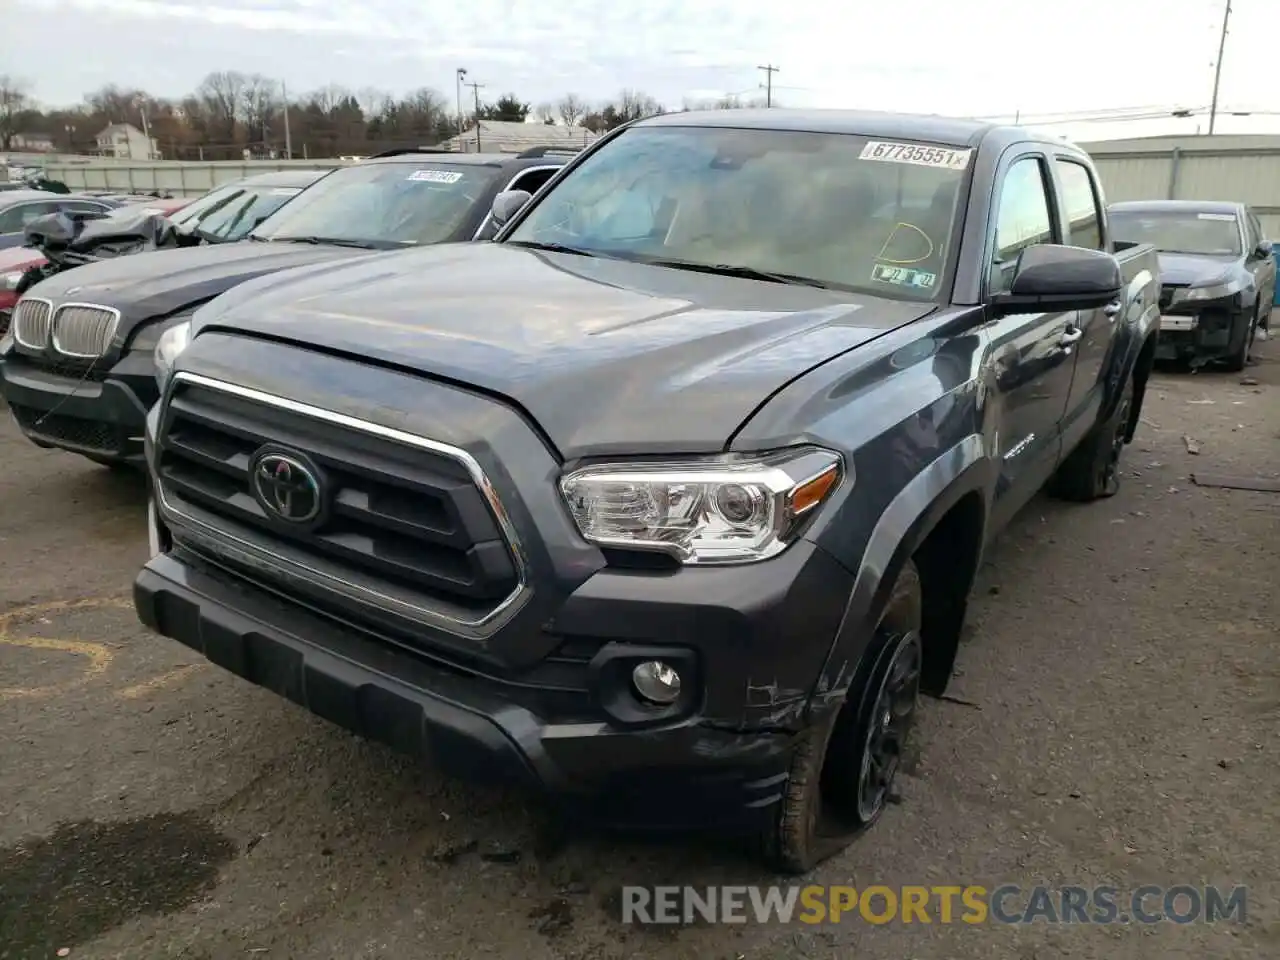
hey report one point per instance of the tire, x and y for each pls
(1092, 470)
(843, 769)
(1240, 358)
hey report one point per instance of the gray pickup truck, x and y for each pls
(669, 501)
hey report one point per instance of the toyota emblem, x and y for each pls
(287, 488)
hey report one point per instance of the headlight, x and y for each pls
(1216, 291)
(737, 509)
(10, 281)
(168, 348)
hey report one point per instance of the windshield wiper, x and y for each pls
(554, 248)
(328, 241)
(736, 270)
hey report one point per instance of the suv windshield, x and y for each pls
(1179, 231)
(230, 212)
(384, 204)
(839, 210)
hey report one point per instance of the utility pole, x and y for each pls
(475, 89)
(1217, 69)
(288, 140)
(461, 72)
(769, 70)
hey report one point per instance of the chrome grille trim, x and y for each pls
(31, 322)
(264, 558)
(84, 330)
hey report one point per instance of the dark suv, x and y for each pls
(77, 368)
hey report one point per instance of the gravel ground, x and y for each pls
(1114, 720)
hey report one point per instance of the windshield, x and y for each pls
(230, 212)
(385, 204)
(835, 209)
(1179, 231)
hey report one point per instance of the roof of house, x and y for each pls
(113, 127)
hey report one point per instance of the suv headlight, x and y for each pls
(9, 281)
(168, 348)
(734, 509)
(1214, 291)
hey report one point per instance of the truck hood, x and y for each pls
(152, 284)
(1187, 269)
(607, 356)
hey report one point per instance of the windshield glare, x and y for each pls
(848, 212)
(1208, 234)
(384, 204)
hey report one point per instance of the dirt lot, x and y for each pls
(1116, 721)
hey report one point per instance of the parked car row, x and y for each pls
(667, 500)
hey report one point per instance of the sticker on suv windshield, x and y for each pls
(436, 176)
(904, 276)
(917, 154)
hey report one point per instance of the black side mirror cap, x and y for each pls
(507, 204)
(1055, 277)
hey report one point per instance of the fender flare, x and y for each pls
(903, 526)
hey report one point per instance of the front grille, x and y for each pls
(72, 431)
(84, 330)
(31, 322)
(407, 530)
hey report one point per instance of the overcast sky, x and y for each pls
(962, 57)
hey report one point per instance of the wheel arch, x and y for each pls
(950, 497)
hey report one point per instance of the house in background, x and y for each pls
(509, 136)
(31, 142)
(124, 141)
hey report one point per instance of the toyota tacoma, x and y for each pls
(669, 501)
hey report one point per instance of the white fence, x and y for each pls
(177, 177)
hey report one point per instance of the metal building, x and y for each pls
(1240, 167)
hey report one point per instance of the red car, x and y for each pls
(15, 261)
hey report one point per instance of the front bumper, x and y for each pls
(103, 419)
(695, 772)
(1203, 331)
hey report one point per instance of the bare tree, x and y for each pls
(373, 102)
(259, 105)
(221, 94)
(545, 113)
(14, 98)
(330, 98)
(571, 109)
(634, 104)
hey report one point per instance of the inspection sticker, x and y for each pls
(436, 176)
(904, 276)
(915, 153)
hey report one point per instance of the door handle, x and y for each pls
(1112, 309)
(1070, 336)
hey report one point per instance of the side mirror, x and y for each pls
(1264, 249)
(508, 203)
(1054, 277)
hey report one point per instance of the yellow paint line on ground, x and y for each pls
(97, 654)
(162, 682)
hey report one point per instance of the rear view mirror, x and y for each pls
(507, 204)
(1054, 277)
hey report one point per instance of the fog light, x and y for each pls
(656, 681)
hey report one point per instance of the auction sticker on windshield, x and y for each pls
(436, 176)
(916, 154)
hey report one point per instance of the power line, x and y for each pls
(769, 70)
(1217, 69)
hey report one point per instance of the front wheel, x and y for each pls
(1240, 358)
(1092, 470)
(843, 770)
